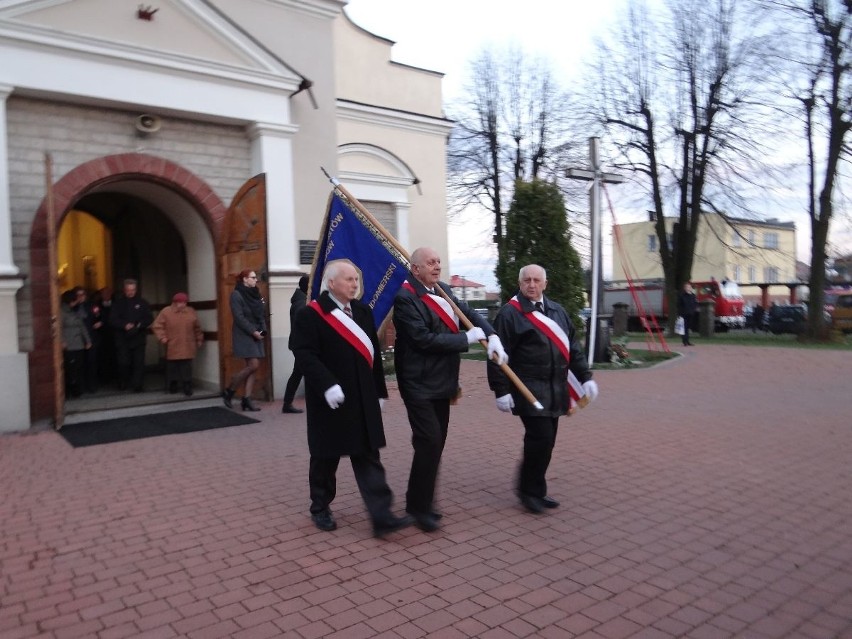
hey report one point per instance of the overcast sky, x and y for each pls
(444, 35)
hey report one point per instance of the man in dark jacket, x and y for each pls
(130, 318)
(337, 348)
(426, 358)
(540, 341)
(297, 303)
(687, 305)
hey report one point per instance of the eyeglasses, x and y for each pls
(251, 277)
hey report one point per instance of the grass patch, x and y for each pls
(745, 337)
(636, 359)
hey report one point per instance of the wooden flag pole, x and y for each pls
(508, 372)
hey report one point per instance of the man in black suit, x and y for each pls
(130, 318)
(544, 349)
(336, 346)
(427, 359)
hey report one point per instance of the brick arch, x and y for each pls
(66, 192)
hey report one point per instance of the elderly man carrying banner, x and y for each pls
(539, 338)
(427, 359)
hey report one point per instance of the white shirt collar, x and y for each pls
(340, 304)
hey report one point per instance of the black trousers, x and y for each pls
(130, 359)
(430, 420)
(74, 363)
(91, 369)
(293, 384)
(539, 439)
(179, 371)
(370, 476)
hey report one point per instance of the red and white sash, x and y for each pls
(348, 329)
(439, 306)
(559, 338)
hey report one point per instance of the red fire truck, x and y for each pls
(651, 296)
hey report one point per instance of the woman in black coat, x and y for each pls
(248, 310)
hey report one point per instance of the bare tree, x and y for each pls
(508, 129)
(823, 91)
(674, 99)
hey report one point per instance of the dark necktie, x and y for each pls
(347, 310)
(539, 307)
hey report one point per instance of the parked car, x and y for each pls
(787, 318)
(841, 315)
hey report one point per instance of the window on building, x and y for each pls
(384, 212)
(736, 239)
(736, 273)
(770, 240)
(752, 274)
(750, 236)
(770, 274)
(670, 241)
(652, 243)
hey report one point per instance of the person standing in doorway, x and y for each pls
(90, 314)
(687, 305)
(130, 319)
(178, 329)
(297, 303)
(75, 343)
(248, 332)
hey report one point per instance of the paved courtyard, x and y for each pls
(707, 497)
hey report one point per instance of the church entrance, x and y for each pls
(133, 216)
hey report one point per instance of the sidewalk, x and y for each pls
(705, 497)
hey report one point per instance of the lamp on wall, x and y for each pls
(146, 13)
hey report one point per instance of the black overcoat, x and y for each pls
(326, 359)
(536, 360)
(427, 353)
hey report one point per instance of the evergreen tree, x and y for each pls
(537, 232)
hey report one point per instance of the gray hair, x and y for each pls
(331, 271)
(524, 268)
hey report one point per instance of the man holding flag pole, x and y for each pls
(351, 232)
(427, 360)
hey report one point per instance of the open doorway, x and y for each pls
(106, 237)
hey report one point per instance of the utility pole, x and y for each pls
(596, 177)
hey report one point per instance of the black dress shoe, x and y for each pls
(380, 529)
(324, 521)
(549, 502)
(289, 408)
(437, 515)
(426, 523)
(532, 504)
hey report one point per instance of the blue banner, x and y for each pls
(348, 234)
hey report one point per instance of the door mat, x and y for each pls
(122, 429)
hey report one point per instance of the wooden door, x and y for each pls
(55, 312)
(243, 246)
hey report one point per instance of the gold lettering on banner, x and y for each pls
(382, 284)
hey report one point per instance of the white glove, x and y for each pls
(382, 401)
(505, 404)
(591, 388)
(475, 334)
(496, 346)
(334, 396)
